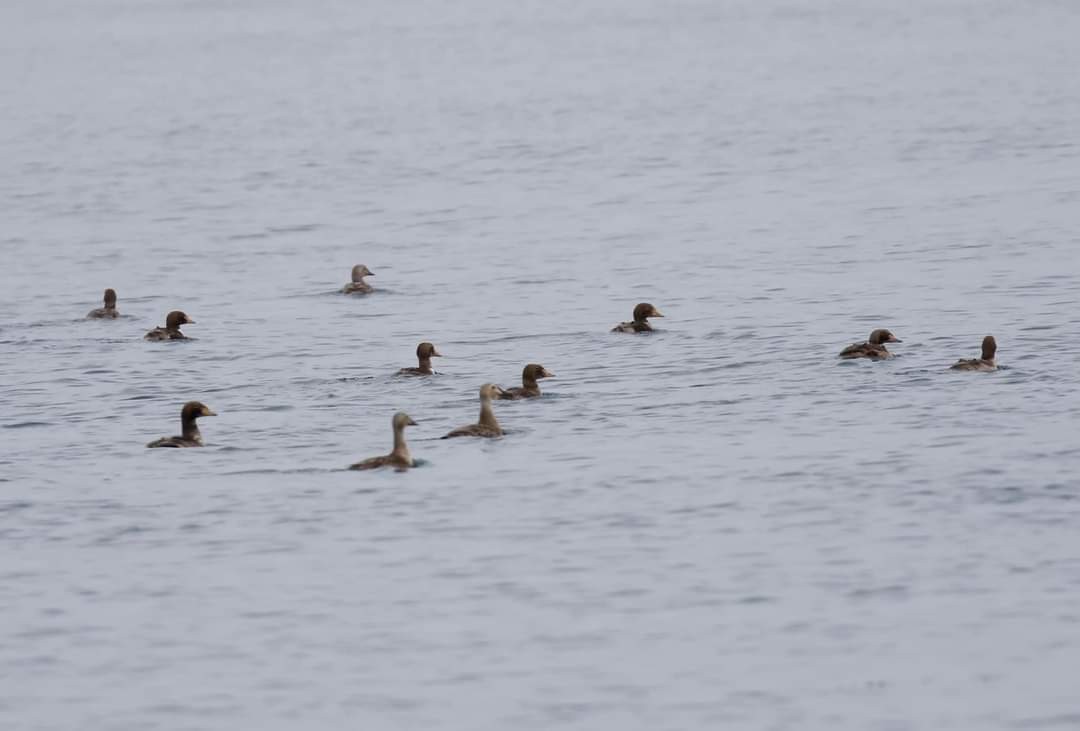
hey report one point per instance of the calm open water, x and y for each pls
(717, 526)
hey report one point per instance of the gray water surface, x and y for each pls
(719, 525)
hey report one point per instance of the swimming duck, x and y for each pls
(189, 433)
(640, 324)
(529, 387)
(487, 426)
(171, 331)
(108, 311)
(985, 363)
(399, 457)
(358, 285)
(873, 348)
(424, 352)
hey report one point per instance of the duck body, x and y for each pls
(189, 428)
(399, 458)
(475, 430)
(171, 331)
(874, 348)
(358, 285)
(164, 333)
(640, 324)
(632, 327)
(487, 427)
(424, 353)
(986, 363)
(974, 364)
(529, 387)
(176, 442)
(109, 311)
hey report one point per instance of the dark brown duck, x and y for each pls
(873, 348)
(189, 429)
(488, 426)
(399, 457)
(986, 363)
(640, 323)
(529, 387)
(109, 311)
(171, 331)
(424, 353)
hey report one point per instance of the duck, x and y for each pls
(529, 387)
(424, 352)
(487, 426)
(171, 331)
(189, 429)
(358, 285)
(873, 348)
(399, 457)
(108, 311)
(985, 363)
(640, 323)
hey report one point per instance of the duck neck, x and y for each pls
(425, 365)
(487, 414)
(401, 449)
(190, 429)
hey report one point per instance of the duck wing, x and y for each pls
(171, 442)
(371, 464)
(473, 430)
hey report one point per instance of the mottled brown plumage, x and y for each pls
(986, 363)
(107, 312)
(171, 331)
(640, 323)
(873, 348)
